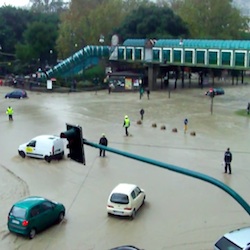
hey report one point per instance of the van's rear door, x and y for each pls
(58, 146)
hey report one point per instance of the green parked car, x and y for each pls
(34, 214)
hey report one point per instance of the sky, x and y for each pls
(16, 3)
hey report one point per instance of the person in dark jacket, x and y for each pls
(228, 158)
(148, 93)
(104, 142)
(142, 113)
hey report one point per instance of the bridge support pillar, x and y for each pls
(152, 76)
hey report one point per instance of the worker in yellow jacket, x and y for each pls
(10, 112)
(126, 124)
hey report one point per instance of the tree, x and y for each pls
(39, 41)
(18, 49)
(13, 22)
(85, 21)
(48, 6)
(152, 21)
(211, 19)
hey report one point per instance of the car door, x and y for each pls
(139, 197)
(30, 149)
(133, 200)
(36, 220)
(48, 213)
(15, 94)
(11, 95)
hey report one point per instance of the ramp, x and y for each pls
(81, 60)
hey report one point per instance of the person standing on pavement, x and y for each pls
(126, 124)
(228, 159)
(104, 142)
(10, 112)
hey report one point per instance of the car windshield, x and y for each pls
(225, 244)
(18, 212)
(119, 198)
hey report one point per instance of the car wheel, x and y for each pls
(60, 217)
(133, 214)
(62, 155)
(47, 158)
(22, 154)
(21, 97)
(32, 233)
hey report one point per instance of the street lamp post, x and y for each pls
(72, 34)
(51, 57)
(102, 39)
(73, 45)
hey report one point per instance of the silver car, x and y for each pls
(238, 239)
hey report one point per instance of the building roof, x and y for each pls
(125, 73)
(135, 42)
(199, 43)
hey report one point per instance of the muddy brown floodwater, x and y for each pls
(180, 212)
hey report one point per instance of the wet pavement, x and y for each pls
(180, 212)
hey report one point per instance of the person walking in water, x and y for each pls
(141, 91)
(126, 124)
(104, 142)
(228, 159)
(10, 112)
(148, 93)
(185, 125)
(142, 113)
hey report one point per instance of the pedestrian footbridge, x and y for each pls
(79, 61)
(215, 54)
(226, 54)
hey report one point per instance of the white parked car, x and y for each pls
(238, 239)
(125, 200)
(45, 147)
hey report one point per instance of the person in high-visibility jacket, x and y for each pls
(10, 112)
(126, 124)
(185, 125)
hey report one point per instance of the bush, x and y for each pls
(97, 72)
(85, 84)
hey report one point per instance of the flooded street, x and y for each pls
(180, 212)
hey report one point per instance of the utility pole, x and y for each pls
(212, 104)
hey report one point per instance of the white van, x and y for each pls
(46, 147)
(238, 239)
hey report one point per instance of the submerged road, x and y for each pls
(180, 212)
